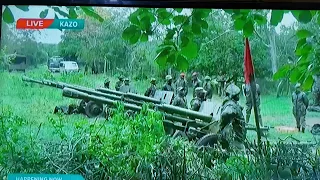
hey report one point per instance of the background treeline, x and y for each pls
(101, 45)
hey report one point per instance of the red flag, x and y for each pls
(248, 66)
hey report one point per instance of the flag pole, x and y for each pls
(250, 79)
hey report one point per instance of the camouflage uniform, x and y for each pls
(197, 101)
(316, 90)
(300, 105)
(151, 91)
(232, 122)
(221, 84)
(168, 85)
(127, 88)
(249, 104)
(107, 84)
(196, 83)
(208, 87)
(119, 83)
(180, 100)
(182, 83)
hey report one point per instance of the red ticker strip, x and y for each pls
(34, 23)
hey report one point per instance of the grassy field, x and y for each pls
(36, 103)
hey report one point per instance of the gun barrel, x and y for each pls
(133, 96)
(27, 79)
(184, 112)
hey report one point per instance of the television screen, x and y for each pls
(119, 92)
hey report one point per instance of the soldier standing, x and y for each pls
(300, 105)
(249, 104)
(126, 88)
(168, 85)
(232, 122)
(180, 100)
(151, 91)
(119, 83)
(181, 82)
(208, 87)
(221, 81)
(107, 83)
(196, 83)
(197, 101)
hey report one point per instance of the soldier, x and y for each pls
(208, 87)
(151, 91)
(180, 100)
(196, 83)
(249, 104)
(300, 105)
(119, 83)
(197, 101)
(232, 122)
(107, 83)
(168, 85)
(181, 82)
(221, 81)
(127, 88)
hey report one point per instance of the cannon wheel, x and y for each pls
(211, 140)
(93, 109)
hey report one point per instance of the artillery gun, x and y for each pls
(195, 124)
(94, 109)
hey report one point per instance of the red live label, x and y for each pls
(34, 23)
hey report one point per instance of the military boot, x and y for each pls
(298, 129)
(303, 130)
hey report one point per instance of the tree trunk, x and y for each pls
(105, 66)
(273, 51)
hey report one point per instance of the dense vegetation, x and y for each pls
(141, 43)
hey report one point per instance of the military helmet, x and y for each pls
(233, 90)
(120, 77)
(107, 80)
(195, 74)
(207, 78)
(126, 79)
(182, 74)
(153, 80)
(168, 77)
(297, 85)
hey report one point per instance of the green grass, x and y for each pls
(36, 102)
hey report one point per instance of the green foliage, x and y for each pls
(178, 47)
(72, 12)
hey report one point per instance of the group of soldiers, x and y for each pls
(201, 91)
(122, 85)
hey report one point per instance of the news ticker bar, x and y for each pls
(50, 24)
(44, 177)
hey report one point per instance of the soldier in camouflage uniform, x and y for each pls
(107, 83)
(168, 85)
(232, 122)
(180, 100)
(119, 83)
(197, 101)
(300, 105)
(127, 88)
(181, 82)
(208, 87)
(151, 91)
(221, 83)
(249, 104)
(196, 83)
